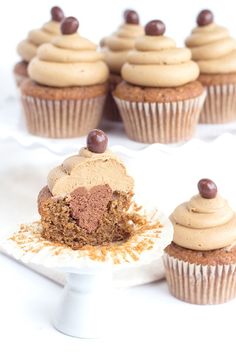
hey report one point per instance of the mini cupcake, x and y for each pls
(65, 94)
(160, 98)
(27, 48)
(200, 263)
(116, 48)
(215, 52)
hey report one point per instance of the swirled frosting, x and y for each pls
(69, 60)
(27, 48)
(117, 46)
(204, 224)
(156, 62)
(88, 169)
(213, 49)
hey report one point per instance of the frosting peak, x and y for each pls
(69, 60)
(27, 48)
(156, 62)
(213, 49)
(204, 224)
(88, 169)
(117, 46)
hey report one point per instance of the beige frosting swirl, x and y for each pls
(117, 46)
(69, 60)
(88, 169)
(204, 224)
(27, 48)
(213, 49)
(156, 62)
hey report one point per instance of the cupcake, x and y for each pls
(27, 48)
(160, 98)
(65, 94)
(215, 53)
(200, 263)
(115, 49)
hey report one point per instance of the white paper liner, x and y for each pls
(62, 118)
(161, 122)
(30, 247)
(200, 284)
(220, 104)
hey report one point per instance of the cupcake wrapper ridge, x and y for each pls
(170, 122)
(62, 118)
(220, 104)
(200, 284)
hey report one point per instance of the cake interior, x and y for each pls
(97, 217)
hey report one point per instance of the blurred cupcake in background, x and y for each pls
(200, 263)
(115, 49)
(65, 94)
(27, 48)
(160, 98)
(215, 52)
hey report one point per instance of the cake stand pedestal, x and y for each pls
(85, 304)
(84, 307)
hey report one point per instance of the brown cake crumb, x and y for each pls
(31, 88)
(88, 207)
(59, 225)
(43, 196)
(215, 257)
(20, 68)
(133, 93)
(217, 79)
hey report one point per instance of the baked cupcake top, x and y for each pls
(93, 166)
(69, 60)
(156, 62)
(206, 222)
(27, 48)
(211, 45)
(117, 46)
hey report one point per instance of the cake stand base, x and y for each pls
(84, 308)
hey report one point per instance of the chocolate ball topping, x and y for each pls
(155, 28)
(97, 141)
(207, 188)
(131, 17)
(205, 18)
(57, 14)
(69, 25)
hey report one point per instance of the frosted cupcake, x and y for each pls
(27, 48)
(160, 98)
(215, 53)
(201, 261)
(65, 94)
(115, 49)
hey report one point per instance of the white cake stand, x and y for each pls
(84, 308)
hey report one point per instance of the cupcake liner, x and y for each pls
(220, 104)
(170, 122)
(200, 284)
(111, 111)
(62, 118)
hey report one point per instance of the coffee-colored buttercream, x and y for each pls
(156, 62)
(117, 46)
(213, 49)
(204, 224)
(27, 48)
(88, 169)
(69, 60)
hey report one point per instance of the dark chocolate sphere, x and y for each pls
(207, 188)
(69, 25)
(97, 141)
(57, 14)
(131, 17)
(155, 28)
(205, 17)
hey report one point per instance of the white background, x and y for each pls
(147, 319)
